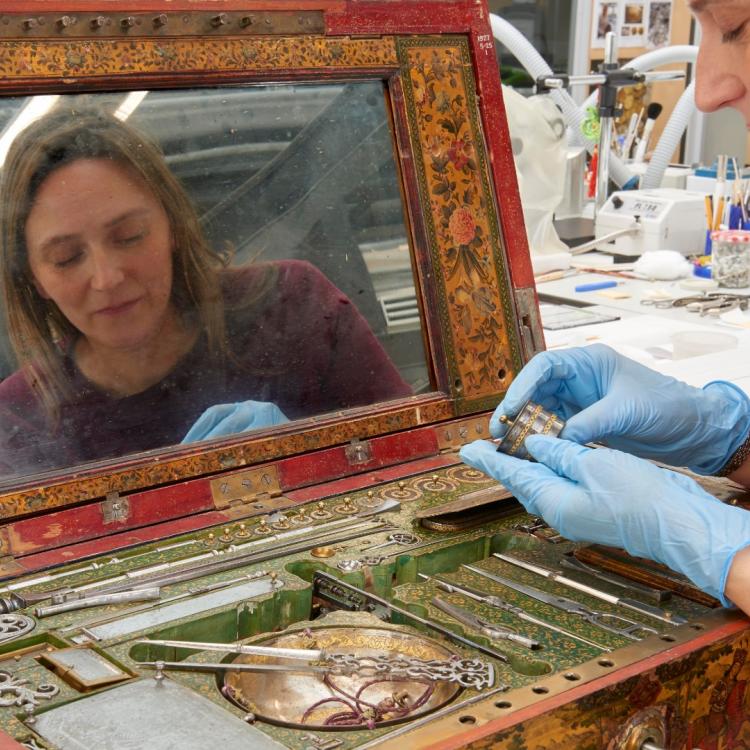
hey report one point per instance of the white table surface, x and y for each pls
(644, 332)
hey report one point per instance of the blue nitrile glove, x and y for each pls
(611, 399)
(605, 496)
(229, 419)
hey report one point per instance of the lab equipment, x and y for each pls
(603, 396)
(654, 110)
(669, 219)
(730, 251)
(595, 286)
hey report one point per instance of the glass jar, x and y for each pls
(730, 257)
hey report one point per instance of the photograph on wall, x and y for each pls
(633, 25)
(659, 23)
(606, 18)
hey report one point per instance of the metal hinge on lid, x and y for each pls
(115, 508)
(455, 434)
(248, 487)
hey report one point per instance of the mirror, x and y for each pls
(314, 310)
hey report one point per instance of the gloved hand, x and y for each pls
(608, 398)
(228, 419)
(601, 495)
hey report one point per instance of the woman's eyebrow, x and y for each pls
(127, 215)
(61, 239)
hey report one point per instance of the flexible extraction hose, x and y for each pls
(537, 66)
(670, 137)
(681, 114)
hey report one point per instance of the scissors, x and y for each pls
(617, 624)
(486, 628)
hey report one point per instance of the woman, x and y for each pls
(612, 497)
(127, 327)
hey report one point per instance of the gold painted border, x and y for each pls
(114, 57)
(475, 309)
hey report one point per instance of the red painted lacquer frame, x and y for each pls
(155, 481)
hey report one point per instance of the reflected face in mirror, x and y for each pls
(100, 248)
(132, 333)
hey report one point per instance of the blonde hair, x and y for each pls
(35, 325)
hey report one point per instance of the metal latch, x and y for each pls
(358, 452)
(115, 508)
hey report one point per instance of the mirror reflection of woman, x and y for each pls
(128, 327)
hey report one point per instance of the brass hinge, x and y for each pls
(453, 435)
(115, 508)
(247, 487)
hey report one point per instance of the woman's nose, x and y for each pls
(106, 272)
(718, 81)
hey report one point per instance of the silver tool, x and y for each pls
(193, 592)
(487, 629)
(14, 691)
(217, 561)
(573, 563)
(468, 673)
(613, 623)
(402, 539)
(631, 604)
(303, 654)
(357, 564)
(139, 595)
(280, 544)
(498, 603)
(323, 583)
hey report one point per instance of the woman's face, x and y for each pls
(99, 245)
(723, 70)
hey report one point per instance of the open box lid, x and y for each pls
(366, 139)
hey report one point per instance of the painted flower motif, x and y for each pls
(442, 102)
(435, 146)
(461, 226)
(459, 153)
(418, 89)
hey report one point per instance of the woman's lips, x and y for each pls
(119, 308)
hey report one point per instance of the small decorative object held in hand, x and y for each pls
(531, 420)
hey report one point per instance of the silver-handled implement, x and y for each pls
(498, 603)
(631, 604)
(573, 563)
(403, 539)
(487, 629)
(616, 624)
(139, 595)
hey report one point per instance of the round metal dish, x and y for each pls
(288, 698)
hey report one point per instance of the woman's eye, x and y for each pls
(68, 259)
(130, 238)
(734, 34)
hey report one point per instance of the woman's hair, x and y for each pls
(35, 325)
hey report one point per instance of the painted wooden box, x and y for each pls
(208, 432)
